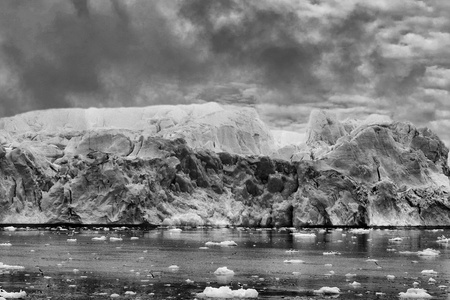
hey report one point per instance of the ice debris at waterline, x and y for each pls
(293, 261)
(3, 266)
(355, 284)
(226, 292)
(443, 239)
(414, 293)
(326, 290)
(429, 252)
(303, 235)
(221, 244)
(12, 295)
(173, 268)
(429, 272)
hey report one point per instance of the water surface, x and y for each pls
(57, 268)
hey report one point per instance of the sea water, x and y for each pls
(76, 263)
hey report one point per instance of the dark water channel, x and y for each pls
(57, 268)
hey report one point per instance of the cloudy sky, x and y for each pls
(285, 57)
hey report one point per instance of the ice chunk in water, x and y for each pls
(414, 293)
(226, 292)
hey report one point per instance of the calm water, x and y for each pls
(86, 269)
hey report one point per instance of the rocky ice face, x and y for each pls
(215, 165)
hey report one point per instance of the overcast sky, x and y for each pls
(285, 57)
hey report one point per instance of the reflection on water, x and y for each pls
(159, 264)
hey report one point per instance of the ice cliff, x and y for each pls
(214, 165)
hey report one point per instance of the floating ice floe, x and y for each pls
(396, 239)
(115, 239)
(221, 244)
(174, 268)
(414, 293)
(428, 272)
(326, 290)
(431, 280)
(12, 295)
(114, 295)
(443, 239)
(175, 230)
(372, 260)
(390, 277)
(350, 275)
(131, 293)
(428, 252)
(188, 281)
(355, 284)
(5, 244)
(223, 271)
(303, 235)
(226, 292)
(3, 266)
(292, 251)
(99, 238)
(10, 228)
(296, 273)
(331, 253)
(134, 238)
(71, 240)
(359, 230)
(293, 261)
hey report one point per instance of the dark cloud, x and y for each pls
(382, 55)
(257, 38)
(87, 51)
